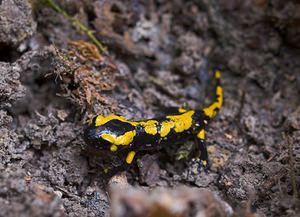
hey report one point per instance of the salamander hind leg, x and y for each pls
(203, 159)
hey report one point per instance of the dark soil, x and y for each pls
(54, 80)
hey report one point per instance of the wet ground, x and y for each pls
(54, 80)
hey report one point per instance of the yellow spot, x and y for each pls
(124, 139)
(113, 148)
(210, 112)
(201, 134)
(181, 110)
(180, 123)
(130, 157)
(220, 95)
(150, 126)
(217, 74)
(204, 163)
(166, 127)
(100, 120)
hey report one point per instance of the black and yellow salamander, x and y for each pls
(114, 133)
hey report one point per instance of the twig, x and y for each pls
(78, 24)
(291, 162)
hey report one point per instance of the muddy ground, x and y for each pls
(54, 80)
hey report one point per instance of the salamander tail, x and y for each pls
(212, 110)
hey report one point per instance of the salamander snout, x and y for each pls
(92, 137)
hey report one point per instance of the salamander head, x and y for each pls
(110, 135)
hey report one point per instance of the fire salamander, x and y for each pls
(115, 133)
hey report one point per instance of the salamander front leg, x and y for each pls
(118, 163)
(203, 162)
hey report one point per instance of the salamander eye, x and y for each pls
(139, 128)
(92, 138)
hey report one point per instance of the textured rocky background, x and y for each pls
(157, 53)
